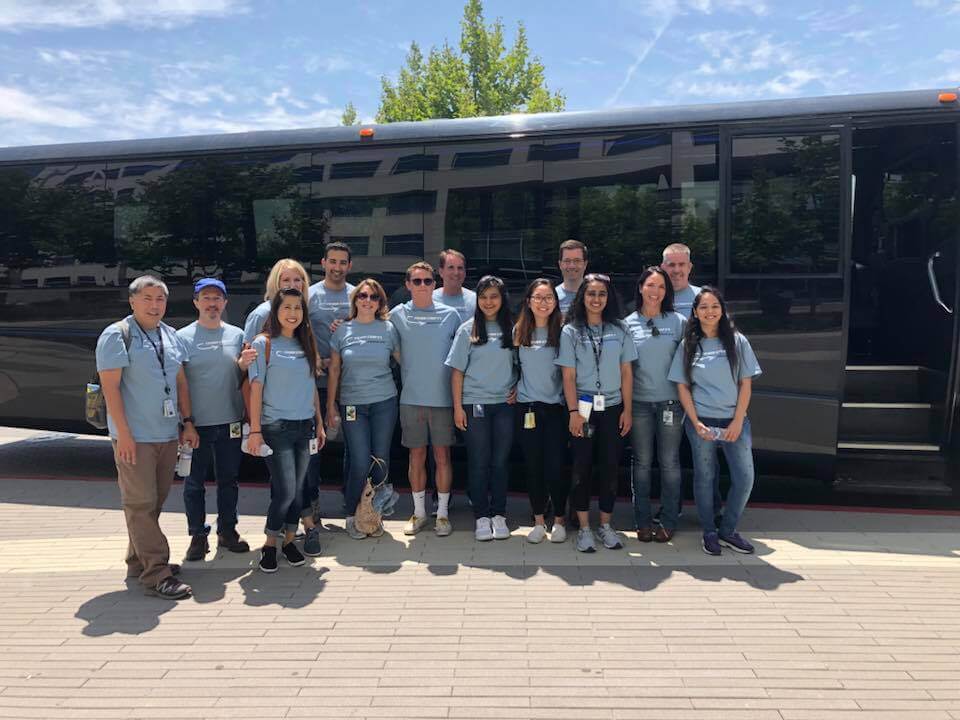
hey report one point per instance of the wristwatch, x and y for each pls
(187, 419)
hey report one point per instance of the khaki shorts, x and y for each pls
(422, 426)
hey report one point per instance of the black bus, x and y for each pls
(830, 223)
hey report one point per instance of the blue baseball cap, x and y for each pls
(209, 282)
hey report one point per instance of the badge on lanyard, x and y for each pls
(599, 403)
(529, 420)
(668, 417)
(314, 446)
(235, 430)
(478, 410)
(169, 410)
(351, 413)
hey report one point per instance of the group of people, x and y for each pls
(568, 376)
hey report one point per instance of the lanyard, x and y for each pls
(159, 353)
(597, 345)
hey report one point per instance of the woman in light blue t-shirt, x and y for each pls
(714, 369)
(482, 381)
(285, 414)
(360, 352)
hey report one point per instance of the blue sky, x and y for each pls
(74, 70)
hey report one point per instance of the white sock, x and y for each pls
(420, 504)
(443, 504)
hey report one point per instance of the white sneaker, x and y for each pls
(585, 542)
(500, 529)
(559, 533)
(484, 530)
(414, 525)
(443, 527)
(352, 531)
(537, 535)
(608, 536)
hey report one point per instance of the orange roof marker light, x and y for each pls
(366, 133)
(947, 97)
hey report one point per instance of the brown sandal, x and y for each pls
(645, 535)
(663, 535)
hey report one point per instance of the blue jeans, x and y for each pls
(370, 434)
(290, 442)
(218, 447)
(649, 425)
(489, 439)
(706, 469)
(311, 485)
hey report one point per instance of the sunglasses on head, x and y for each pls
(597, 276)
(654, 330)
(421, 281)
(363, 295)
(292, 292)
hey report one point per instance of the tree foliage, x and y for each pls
(350, 116)
(482, 77)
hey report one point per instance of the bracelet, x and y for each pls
(573, 411)
(255, 432)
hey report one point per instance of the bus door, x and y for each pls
(901, 357)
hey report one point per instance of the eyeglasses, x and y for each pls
(428, 281)
(654, 330)
(373, 297)
(543, 299)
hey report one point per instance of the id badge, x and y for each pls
(529, 420)
(314, 446)
(478, 410)
(351, 413)
(235, 430)
(599, 403)
(169, 410)
(668, 417)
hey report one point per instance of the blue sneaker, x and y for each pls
(735, 542)
(711, 543)
(311, 544)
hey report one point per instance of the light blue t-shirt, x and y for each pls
(288, 385)
(325, 306)
(489, 370)
(683, 300)
(714, 390)
(425, 337)
(465, 303)
(540, 379)
(365, 350)
(142, 381)
(654, 355)
(255, 320)
(212, 372)
(566, 298)
(578, 347)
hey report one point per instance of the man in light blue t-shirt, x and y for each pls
(426, 331)
(328, 306)
(453, 271)
(140, 365)
(215, 362)
(676, 263)
(573, 266)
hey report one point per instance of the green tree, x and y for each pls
(483, 78)
(349, 116)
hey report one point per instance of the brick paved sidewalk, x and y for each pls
(839, 615)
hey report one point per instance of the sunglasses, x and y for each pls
(654, 330)
(597, 276)
(421, 281)
(293, 292)
(374, 297)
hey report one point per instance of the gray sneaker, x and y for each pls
(311, 543)
(608, 536)
(585, 542)
(352, 529)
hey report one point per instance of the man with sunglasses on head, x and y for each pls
(426, 331)
(328, 305)
(453, 271)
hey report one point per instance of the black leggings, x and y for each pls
(609, 445)
(543, 453)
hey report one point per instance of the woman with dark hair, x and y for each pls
(540, 394)
(595, 357)
(657, 415)
(285, 414)
(360, 352)
(483, 377)
(714, 369)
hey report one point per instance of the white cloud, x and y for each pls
(15, 104)
(586, 61)
(97, 13)
(332, 64)
(196, 96)
(52, 56)
(949, 7)
(741, 52)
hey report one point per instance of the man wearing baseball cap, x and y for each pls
(215, 364)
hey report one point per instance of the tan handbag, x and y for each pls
(366, 518)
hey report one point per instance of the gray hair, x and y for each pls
(676, 248)
(147, 281)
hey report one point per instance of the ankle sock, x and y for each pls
(420, 503)
(443, 504)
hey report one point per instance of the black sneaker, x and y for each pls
(293, 555)
(170, 589)
(199, 546)
(233, 542)
(268, 559)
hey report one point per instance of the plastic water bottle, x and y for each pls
(265, 450)
(185, 461)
